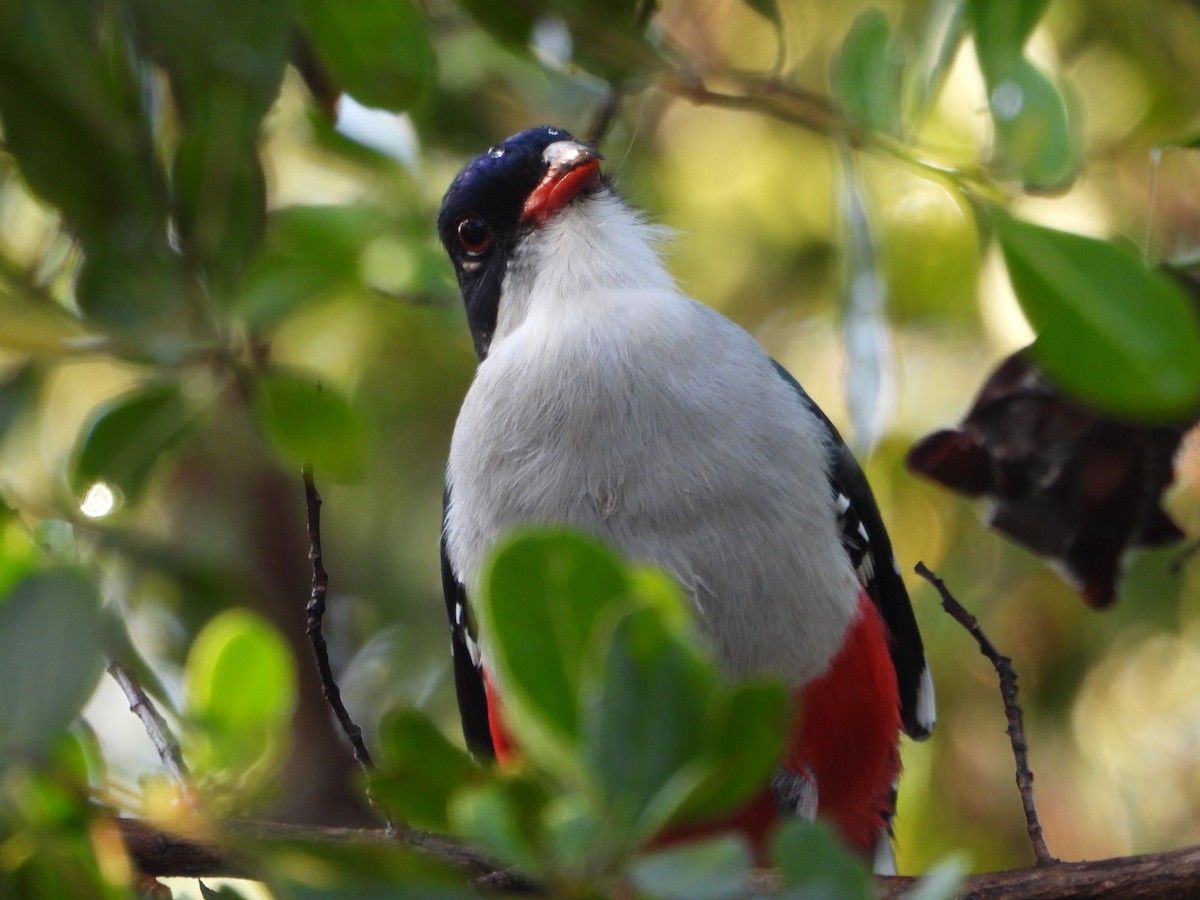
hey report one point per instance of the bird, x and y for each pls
(607, 401)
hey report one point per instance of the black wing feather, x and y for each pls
(870, 550)
(468, 676)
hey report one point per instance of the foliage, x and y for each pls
(205, 285)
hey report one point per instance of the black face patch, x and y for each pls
(480, 221)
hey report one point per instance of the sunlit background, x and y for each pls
(752, 205)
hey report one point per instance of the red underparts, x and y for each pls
(847, 737)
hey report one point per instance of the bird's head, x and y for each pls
(501, 199)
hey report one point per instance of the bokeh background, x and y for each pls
(756, 230)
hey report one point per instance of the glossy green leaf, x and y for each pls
(867, 74)
(642, 728)
(1116, 335)
(809, 856)
(544, 592)
(126, 437)
(50, 657)
(378, 51)
(419, 770)
(307, 422)
(127, 285)
(712, 869)
(240, 685)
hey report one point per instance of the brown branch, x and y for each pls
(157, 729)
(1157, 876)
(315, 612)
(1012, 711)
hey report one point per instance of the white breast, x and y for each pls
(651, 421)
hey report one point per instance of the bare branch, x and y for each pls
(315, 611)
(1012, 711)
(157, 729)
(1159, 876)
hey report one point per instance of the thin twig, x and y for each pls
(1012, 711)
(157, 729)
(315, 612)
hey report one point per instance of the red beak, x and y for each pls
(573, 169)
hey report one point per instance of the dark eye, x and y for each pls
(474, 234)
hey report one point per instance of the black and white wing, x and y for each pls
(468, 671)
(866, 542)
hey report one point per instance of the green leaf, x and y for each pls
(378, 51)
(867, 74)
(941, 35)
(808, 855)
(768, 9)
(1118, 336)
(1001, 30)
(419, 770)
(50, 657)
(706, 870)
(742, 748)
(19, 391)
(543, 594)
(127, 436)
(643, 728)
(310, 252)
(503, 817)
(1034, 137)
(308, 423)
(240, 685)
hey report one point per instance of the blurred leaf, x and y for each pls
(503, 817)
(741, 748)
(127, 436)
(768, 9)
(19, 393)
(1001, 30)
(125, 285)
(706, 870)
(49, 657)
(1112, 333)
(543, 593)
(809, 856)
(1034, 137)
(867, 74)
(378, 51)
(1033, 130)
(645, 726)
(226, 60)
(240, 684)
(943, 881)
(310, 252)
(419, 770)
(309, 423)
(71, 108)
(941, 35)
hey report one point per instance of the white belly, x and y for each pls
(654, 423)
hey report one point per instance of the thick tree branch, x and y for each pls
(1012, 711)
(1157, 876)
